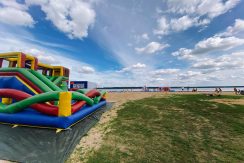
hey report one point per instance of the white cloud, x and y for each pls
(165, 71)
(163, 26)
(207, 8)
(235, 29)
(158, 79)
(42, 57)
(189, 74)
(10, 9)
(184, 53)
(125, 69)
(145, 36)
(215, 8)
(182, 23)
(151, 48)
(215, 43)
(208, 45)
(71, 17)
(184, 14)
(86, 70)
(205, 64)
(221, 70)
(139, 65)
(228, 61)
(223, 41)
(13, 4)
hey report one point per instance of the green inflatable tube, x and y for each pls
(52, 78)
(40, 98)
(2, 105)
(45, 80)
(82, 91)
(80, 97)
(58, 80)
(98, 99)
(29, 76)
(64, 86)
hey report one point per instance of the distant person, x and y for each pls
(196, 89)
(239, 92)
(235, 90)
(220, 90)
(145, 88)
(216, 90)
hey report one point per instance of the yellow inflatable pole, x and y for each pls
(64, 104)
(7, 101)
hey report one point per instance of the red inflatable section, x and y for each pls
(43, 107)
(92, 93)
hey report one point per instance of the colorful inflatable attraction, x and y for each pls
(36, 94)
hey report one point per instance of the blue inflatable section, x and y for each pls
(34, 118)
(12, 82)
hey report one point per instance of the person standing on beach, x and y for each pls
(220, 90)
(235, 90)
(216, 90)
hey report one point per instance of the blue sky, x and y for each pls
(131, 42)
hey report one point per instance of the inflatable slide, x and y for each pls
(36, 94)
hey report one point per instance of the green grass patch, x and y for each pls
(181, 128)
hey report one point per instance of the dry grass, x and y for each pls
(229, 101)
